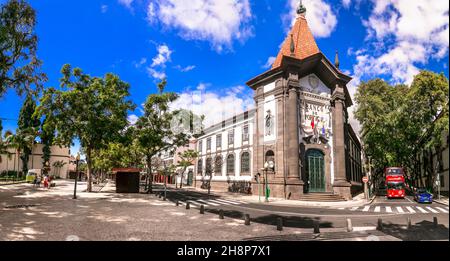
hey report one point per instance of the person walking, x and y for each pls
(38, 181)
(46, 182)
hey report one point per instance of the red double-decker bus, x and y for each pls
(395, 182)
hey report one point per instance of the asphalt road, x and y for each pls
(392, 212)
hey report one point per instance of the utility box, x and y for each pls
(127, 180)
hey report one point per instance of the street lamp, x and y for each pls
(76, 176)
(258, 178)
(268, 165)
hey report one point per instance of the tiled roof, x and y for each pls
(302, 39)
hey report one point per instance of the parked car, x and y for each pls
(423, 196)
(31, 175)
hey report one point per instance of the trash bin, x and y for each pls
(127, 180)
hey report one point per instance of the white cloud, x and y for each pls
(269, 62)
(157, 68)
(185, 69)
(156, 74)
(162, 57)
(407, 33)
(346, 3)
(126, 3)
(151, 13)
(104, 8)
(214, 106)
(141, 62)
(219, 22)
(321, 19)
(132, 119)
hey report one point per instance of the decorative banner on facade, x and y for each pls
(316, 123)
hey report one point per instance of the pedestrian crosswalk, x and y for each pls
(211, 202)
(400, 209)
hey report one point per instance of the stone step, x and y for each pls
(321, 197)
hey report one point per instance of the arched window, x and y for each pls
(245, 162)
(208, 168)
(218, 166)
(270, 156)
(200, 167)
(230, 164)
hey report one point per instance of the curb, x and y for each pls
(280, 204)
(437, 202)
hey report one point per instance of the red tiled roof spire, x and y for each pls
(300, 42)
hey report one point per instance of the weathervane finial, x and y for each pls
(301, 10)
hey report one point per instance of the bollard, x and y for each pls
(349, 225)
(220, 213)
(409, 223)
(316, 227)
(247, 219)
(188, 205)
(279, 224)
(202, 209)
(380, 224)
(435, 222)
(159, 195)
(177, 203)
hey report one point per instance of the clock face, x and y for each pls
(313, 82)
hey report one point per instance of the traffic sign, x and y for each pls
(365, 179)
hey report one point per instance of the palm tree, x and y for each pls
(23, 139)
(58, 165)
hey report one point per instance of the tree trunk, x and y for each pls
(149, 175)
(182, 174)
(89, 169)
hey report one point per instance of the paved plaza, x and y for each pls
(29, 213)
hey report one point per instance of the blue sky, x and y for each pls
(208, 49)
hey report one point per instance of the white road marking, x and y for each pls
(400, 210)
(227, 201)
(377, 209)
(411, 210)
(194, 203)
(341, 208)
(218, 202)
(354, 208)
(389, 209)
(409, 200)
(432, 210)
(366, 208)
(421, 210)
(207, 202)
(441, 209)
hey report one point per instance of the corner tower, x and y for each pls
(301, 116)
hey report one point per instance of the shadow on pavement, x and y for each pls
(288, 221)
(424, 230)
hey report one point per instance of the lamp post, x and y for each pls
(258, 178)
(267, 165)
(76, 176)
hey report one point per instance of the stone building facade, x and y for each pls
(62, 154)
(300, 124)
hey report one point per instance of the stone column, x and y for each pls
(292, 134)
(294, 185)
(340, 185)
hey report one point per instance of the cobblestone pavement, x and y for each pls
(29, 213)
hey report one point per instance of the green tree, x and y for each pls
(187, 159)
(27, 121)
(22, 140)
(19, 65)
(400, 121)
(90, 109)
(58, 165)
(3, 145)
(160, 129)
(47, 134)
